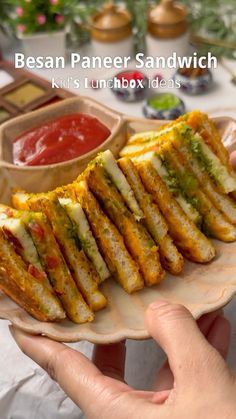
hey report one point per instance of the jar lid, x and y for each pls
(111, 17)
(168, 20)
(168, 13)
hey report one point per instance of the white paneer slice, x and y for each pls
(188, 209)
(142, 137)
(137, 148)
(118, 178)
(88, 243)
(28, 250)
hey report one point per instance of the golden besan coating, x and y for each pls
(110, 241)
(82, 270)
(214, 222)
(56, 268)
(26, 290)
(154, 221)
(191, 242)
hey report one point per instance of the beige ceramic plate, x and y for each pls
(201, 288)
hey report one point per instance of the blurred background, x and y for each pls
(212, 22)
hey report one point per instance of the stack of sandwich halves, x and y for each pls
(132, 219)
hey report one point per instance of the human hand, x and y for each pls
(203, 385)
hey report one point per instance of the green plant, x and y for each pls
(215, 21)
(139, 11)
(5, 11)
(79, 14)
(33, 16)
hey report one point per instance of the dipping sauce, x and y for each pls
(4, 114)
(60, 140)
(25, 94)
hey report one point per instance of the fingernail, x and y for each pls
(159, 303)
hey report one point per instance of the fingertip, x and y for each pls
(159, 303)
(153, 308)
(163, 310)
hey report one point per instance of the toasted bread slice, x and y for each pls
(214, 222)
(27, 291)
(87, 241)
(108, 162)
(82, 270)
(155, 223)
(191, 242)
(56, 268)
(110, 241)
(137, 240)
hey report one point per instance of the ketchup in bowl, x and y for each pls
(59, 140)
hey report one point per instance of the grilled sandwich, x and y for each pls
(203, 125)
(214, 223)
(110, 241)
(14, 230)
(52, 262)
(131, 219)
(87, 241)
(171, 140)
(214, 165)
(171, 258)
(26, 290)
(187, 237)
(136, 238)
(82, 270)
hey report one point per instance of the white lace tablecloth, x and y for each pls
(26, 392)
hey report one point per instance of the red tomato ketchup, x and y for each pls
(60, 140)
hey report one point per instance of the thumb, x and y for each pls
(174, 328)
